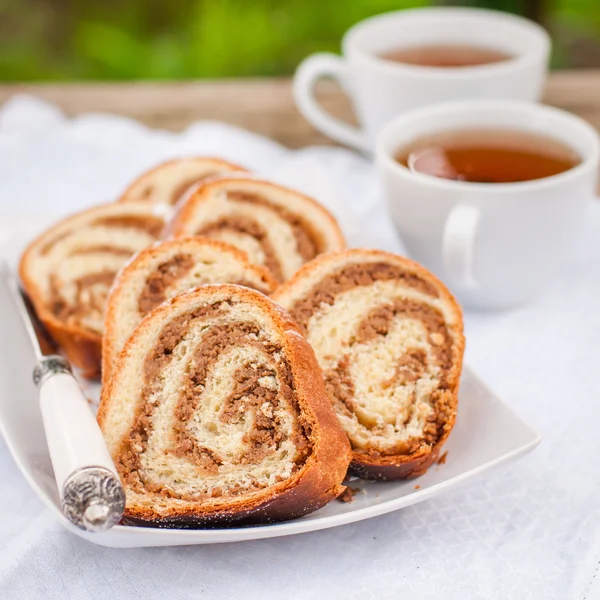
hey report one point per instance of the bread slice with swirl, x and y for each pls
(68, 270)
(168, 182)
(164, 270)
(389, 338)
(214, 415)
(278, 228)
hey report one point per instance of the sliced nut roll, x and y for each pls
(168, 182)
(278, 228)
(68, 271)
(164, 270)
(389, 338)
(214, 415)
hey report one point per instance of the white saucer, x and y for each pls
(487, 433)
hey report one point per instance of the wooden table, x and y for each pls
(265, 106)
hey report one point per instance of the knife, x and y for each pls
(92, 496)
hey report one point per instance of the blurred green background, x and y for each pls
(182, 39)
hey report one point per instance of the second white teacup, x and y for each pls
(381, 89)
(495, 244)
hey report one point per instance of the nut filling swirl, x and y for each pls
(217, 414)
(241, 225)
(74, 265)
(165, 270)
(382, 334)
(276, 227)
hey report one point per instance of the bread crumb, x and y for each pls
(442, 459)
(348, 494)
(417, 487)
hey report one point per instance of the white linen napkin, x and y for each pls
(531, 529)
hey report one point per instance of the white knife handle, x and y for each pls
(91, 492)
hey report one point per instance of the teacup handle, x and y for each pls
(309, 72)
(458, 246)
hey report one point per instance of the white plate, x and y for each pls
(487, 433)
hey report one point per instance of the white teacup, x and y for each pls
(495, 244)
(381, 89)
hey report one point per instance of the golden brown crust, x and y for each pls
(320, 478)
(220, 166)
(404, 467)
(120, 284)
(176, 227)
(376, 466)
(82, 347)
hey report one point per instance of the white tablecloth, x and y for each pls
(530, 529)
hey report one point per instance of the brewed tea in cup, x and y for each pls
(489, 194)
(407, 59)
(488, 156)
(449, 56)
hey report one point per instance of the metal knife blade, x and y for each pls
(40, 339)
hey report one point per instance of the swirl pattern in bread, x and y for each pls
(214, 415)
(278, 228)
(168, 182)
(389, 338)
(67, 273)
(164, 270)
